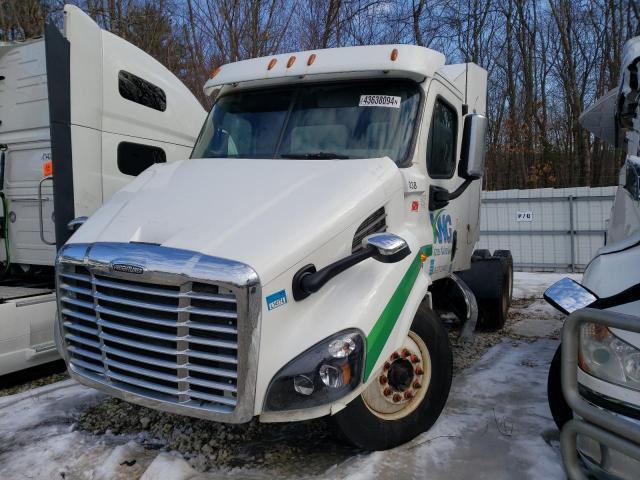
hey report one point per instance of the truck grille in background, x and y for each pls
(176, 343)
(374, 223)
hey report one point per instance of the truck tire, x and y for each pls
(560, 409)
(380, 419)
(489, 280)
(505, 255)
(481, 253)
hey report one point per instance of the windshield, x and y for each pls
(368, 119)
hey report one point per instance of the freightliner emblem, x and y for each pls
(127, 268)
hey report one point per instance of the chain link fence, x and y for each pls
(546, 229)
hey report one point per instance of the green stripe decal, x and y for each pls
(380, 332)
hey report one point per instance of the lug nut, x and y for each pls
(414, 359)
(408, 394)
(387, 392)
(386, 367)
(405, 352)
(397, 397)
(417, 384)
(394, 356)
(383, 380)
(419, 370)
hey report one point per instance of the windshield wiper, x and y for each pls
(316, 156)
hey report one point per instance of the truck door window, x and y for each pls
(135, 158)
(441, 146)
(140, 91)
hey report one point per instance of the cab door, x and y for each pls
(442, 153)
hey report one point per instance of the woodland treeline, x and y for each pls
(547, 60)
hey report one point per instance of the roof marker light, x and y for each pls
(272, 63)
(312, 58)
(394, 54)
(291, 61)
(215, 72)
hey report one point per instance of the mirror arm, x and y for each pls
(631, 294)
(440, 197)
(460, 190)
(307, 280)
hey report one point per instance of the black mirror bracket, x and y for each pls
(308, 280)
(440, 197)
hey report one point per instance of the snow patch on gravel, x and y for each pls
(533, 284)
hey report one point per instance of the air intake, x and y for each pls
(374, 223)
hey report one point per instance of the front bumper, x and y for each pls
(602, 460)
(606, 443)
(168, 329)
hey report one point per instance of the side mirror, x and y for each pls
(384, 247)
(473, 147)
(568, 296)
(389, 248)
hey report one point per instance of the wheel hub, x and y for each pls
(401, 376)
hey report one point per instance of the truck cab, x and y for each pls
(286, 269)
(82, 113)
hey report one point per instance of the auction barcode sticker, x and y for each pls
(379, 101)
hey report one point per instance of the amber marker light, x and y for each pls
(423, 258)
(312, 58)
(215, 72)
(394, 54)
(272, 63)
(291, 61)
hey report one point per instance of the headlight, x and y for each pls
(607, 357)
(323, 374)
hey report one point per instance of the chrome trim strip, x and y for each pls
(163, 266)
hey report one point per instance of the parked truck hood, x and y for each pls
(269, 214)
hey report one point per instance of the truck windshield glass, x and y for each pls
(346, 120)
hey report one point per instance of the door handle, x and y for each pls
(40, 219)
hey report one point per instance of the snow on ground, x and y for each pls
(533, 284)
(496, 425)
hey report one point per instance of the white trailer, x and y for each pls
(239, 282)
(82, 113)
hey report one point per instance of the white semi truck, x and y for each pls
(295, 265)
(81, 114)
(594, 379)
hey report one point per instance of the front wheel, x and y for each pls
(407, 395)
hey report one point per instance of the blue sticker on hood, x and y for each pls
(277, 299)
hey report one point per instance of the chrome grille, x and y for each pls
(374, 223)
(176, 342)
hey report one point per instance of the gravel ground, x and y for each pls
(207, 444)
(33, 378)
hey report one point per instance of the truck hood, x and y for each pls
(269, 214)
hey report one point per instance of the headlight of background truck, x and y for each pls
(323, 374)
(607, 357)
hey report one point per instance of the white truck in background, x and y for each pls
(295, 266)
(81, 114)
(594, 379)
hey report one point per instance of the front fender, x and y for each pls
(379, 299)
